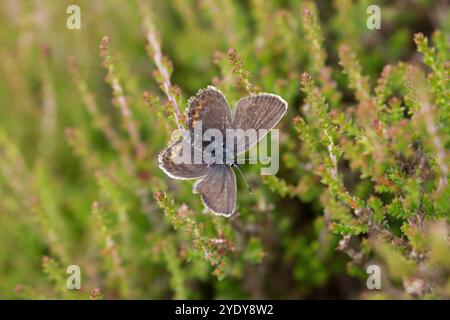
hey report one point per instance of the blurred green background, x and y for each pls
(74, 191)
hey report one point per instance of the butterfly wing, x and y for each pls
(218, 190)
(260, 111)
(209, 107)
(172, 163)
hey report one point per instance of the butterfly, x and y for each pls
(216, 181)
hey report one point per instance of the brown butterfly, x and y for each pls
(216, 182)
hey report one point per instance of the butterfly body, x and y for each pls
(219, 137)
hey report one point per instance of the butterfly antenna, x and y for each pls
(243, 177)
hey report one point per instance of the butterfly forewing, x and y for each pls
(211, 108)
(260, 111)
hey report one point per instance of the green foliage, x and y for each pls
(364, 150)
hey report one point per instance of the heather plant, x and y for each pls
(364, 150)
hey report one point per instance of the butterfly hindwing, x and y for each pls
(218, 190)
(170, 161)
